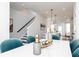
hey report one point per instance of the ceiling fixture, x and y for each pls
(55, 19)
(22, 4)
(53, 22)
(51, 13)
(63, 9)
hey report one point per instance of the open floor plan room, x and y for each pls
(35, 29)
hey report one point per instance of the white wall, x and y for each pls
(76, 21)
(34, 28)
(20, 17)
(4, 21)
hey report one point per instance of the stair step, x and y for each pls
(24, 41)
(24, 36)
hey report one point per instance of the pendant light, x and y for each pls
(52, 25)
(55, 23)
(55, 19)
(51, 15)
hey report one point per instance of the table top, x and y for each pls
(59, 48)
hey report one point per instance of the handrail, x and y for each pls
(25, 25)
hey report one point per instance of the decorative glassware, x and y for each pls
(37, 46)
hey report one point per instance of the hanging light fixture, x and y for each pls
(51, 14)
(52, 25)
(55, 19)
(55, 23)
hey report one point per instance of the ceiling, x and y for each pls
(61, 9)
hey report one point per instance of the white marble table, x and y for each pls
(59, 48)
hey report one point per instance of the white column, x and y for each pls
(4, 21)
(76, 21)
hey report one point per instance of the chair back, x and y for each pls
(30, 39)
(10, 44)
(55, 37)
(76, 53)
(74, 45)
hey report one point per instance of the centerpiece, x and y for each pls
(48, 41)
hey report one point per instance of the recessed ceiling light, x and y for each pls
(22, 4)
(63, 9)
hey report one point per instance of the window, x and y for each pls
(68, 28)
(52, 27)
(60, 29)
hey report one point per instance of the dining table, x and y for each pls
(58, 48)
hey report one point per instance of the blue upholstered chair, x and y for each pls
(0, 48)
(30, 39)
(76, 53)
(74, 45)
(10, 44)
(56, 37)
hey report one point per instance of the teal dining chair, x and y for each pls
(56, 37)
(0, 48)
(76, 53)
(10, 44)
(74, 45)
(30, 39)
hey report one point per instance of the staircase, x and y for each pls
(24, 37)
(27, 24)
